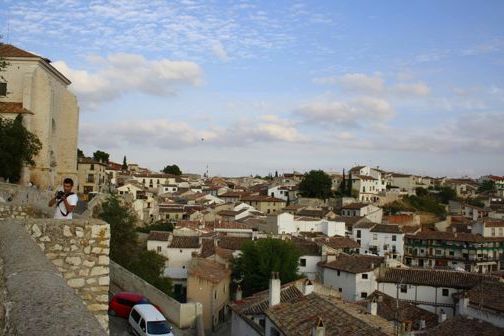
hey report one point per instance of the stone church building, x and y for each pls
(31, 86)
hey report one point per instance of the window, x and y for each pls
(394, 238)
(364, 275)
(302, 262)
(3, 89)
(358, 233)
(215, 294)
(363, 295)
(375, 236)
(339, 273)
(404, 288)
(159, 249)
(439, 252)
(445, 292)
(340, 290)
(135, 315)
(493, 232)
(452, 253)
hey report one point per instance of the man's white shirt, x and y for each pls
(72, 200)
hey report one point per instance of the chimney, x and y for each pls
(373, 306)
(307, 287)
(442, 316)
(319, 328)
(421, 325)
(238, 294)
(274, 289)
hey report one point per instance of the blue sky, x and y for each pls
(253, 87)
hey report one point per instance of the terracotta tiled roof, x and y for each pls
(464, 326)
(450, 236)
(231, 225)
(488, 294)
(307, 248)
(410, 229)
(185, 242)
(233, 194)
(259, 302)
(494, 222)
(16, 108)
(387, 308)
(8, 50)
(209, 270)
(338, 242)
(227, 213)
(261, 198)
(86, 160)
(159, 235)
(387, 228)
(435, 278)
(319, 213)
(298, 318)
(354, 263)
(354, 206)
(367, 224)
(364, 177)
(207, 248)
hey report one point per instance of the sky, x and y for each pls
(253, 87)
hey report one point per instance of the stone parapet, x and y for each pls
(80, 251)
(35, 299)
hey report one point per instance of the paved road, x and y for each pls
(119, 327)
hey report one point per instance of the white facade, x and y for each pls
(308, 266)
(240, 327)
(178, 259)
(286, 223)
(429, 298)
(154, 180)
(167, 188)
(129, 189)
(380, 243)
(371, 212)
(352, 286)
(466, 309)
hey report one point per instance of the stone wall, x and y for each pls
(80, 251)
(183, 315)
(34, 297)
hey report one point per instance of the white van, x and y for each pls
(145, 320)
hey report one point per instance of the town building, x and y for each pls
(265, 204)
(92, 176)
(353, 275)
(380, 239)
(371, 212)
(37, 91)
(455, 250)
(208, 283)
(286, 223)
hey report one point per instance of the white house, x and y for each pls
(368, 182)
(432, 290)
(284, 192)
(130, 189)
(371, 212)
(154, 180)
(483, 302)
(353, 275)
(310, 256)
(380, 239)
(488, 227)
(167, 188)
(286, 223)
(177, 250)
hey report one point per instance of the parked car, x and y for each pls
(122, 303)
(146, 320)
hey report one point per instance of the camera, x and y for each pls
(60, 194)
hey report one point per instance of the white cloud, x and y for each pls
(219, 51)
(418, 89)
(355, 82)
(163, 133)
(358, 111)
(121, 73)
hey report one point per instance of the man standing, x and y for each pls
(65, 201)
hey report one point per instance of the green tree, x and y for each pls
(123, 236)
(124, 166)
(419, 191)
(487, 185)
(18, 147)
(259, 258)
(101, 156)
(124, 249)
(446, 194)
(160, 225)
(80, 153)
(350, 185)
(317, 184)
(172, 169)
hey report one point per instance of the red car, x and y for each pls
(121, 303)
